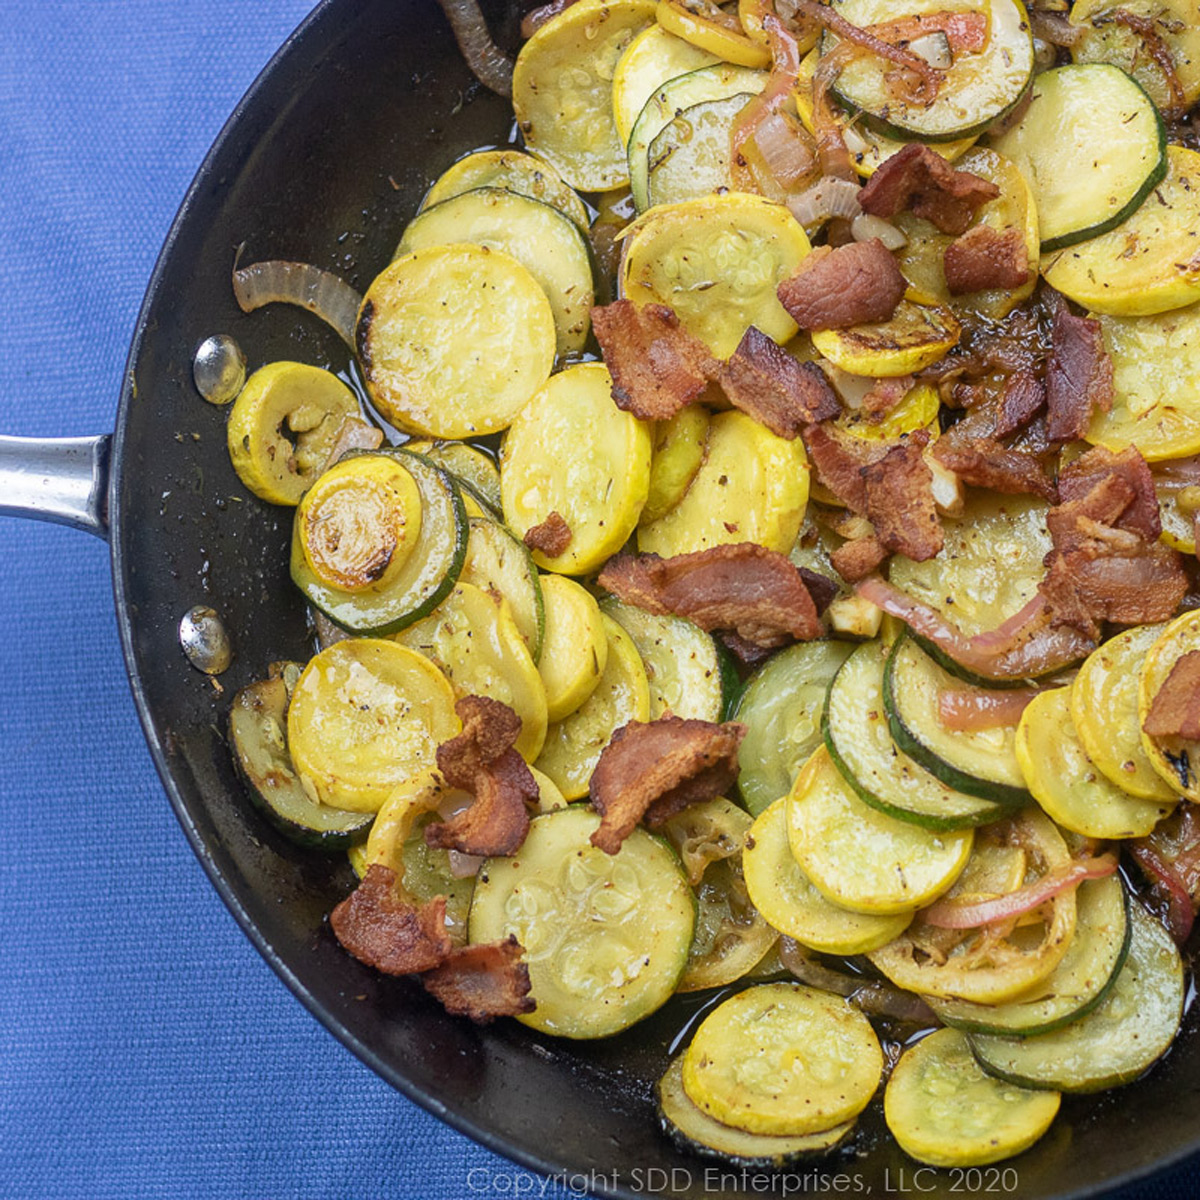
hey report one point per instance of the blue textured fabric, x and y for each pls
(145, 1048)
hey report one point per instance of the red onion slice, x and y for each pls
(966, 710)
(1181, 913)
(276, 281)
(489, 64)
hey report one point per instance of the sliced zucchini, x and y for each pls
(679, 255)
(751, 487)
(1156, 362)
(575, 652)
(945, 1110)
(1067, 785)
(678, 451)
(787, 899)
(500, 563)
(783, 1059)
(979, 762)
(975, 91)
(1104, 709)
(258, 735)
(454, 340)
(860, 743)
(1174, 758)
(606, 936)
(573, 452)
(366, 715)
(684, 667)
(861, 858)
(544, 241)
(310, 403)
(695, 1132)
(690, 23)
(1116, 1042)
(428, 572)
(916, 337)
(1076, 986)
(653, 57)
(469, 465)
(689, 157)
(472, 638)
(781, 707)
(1148, 264)
(573, 745)
(562, 90)
(516, 172)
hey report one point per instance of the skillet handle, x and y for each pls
(56, 479)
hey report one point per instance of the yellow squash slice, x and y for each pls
(575, 648)
(1174, 758)
(916, 337)
(678, 451)
(728, 44)
(653, 57)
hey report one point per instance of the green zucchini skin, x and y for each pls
(380, 613)
(909, 740)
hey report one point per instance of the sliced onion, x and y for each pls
(966, 710)
(958, 914)
(1181, 912)
(785, 70)
(275, 281)
(489, 64)
(784, 151)
(864, 227)
(463, 866)
(533, 20)
(826, 199)
(934, 48)
(1055, 28)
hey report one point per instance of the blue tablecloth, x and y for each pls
(145, 1048)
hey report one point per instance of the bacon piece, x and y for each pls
(551, 536)
(839, 460)
(1175, 710)
(821, 588)
(747, 653)
(856, 559)
(1140, 514)
(923, 182)
(755, 592)
(657, 367)
(883, 395)
(983, 462)
(481, 760)
(767, 383)
(1079, 374)
(650, 771)
(482, 982)
(1021, 400)
(385, 931)
(986, 258)
(855, 284)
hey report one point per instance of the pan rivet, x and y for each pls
(204, 640)
(219, 369)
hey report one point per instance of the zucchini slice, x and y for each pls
(781, 707)
(717, 82)
(916, 337)
(679, 448)
(546, 243)
(258, 734)
(861, 858)
(515, 172)
(652, 58)
(500, 563)
(428, 573)
(1067, 785)
(686, 670)
(1092, 146)
(783, 1059)
(573, 745)
(1175, 759)
(1076, 986)
(1118, 1040)
(859, 740)
(788, 901)
(575, 651)
(977, 90)
(606, 936)
(572, 451)
(695, 1132)
(469, 465)
(689, 157)
(980, 763)
(365, 716)
(751, 487)
(562, 90)
(1148, 264)
(945, 1110)
(679, 255)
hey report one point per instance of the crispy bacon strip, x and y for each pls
(755, 592)
(1021, 400)
(986, 258)
(382, 929)
(884, 394)
(923, 182)
(857, 558)
(482, 982)
(481, 760)
(1175, 711)
(836, 289)
(650, 771)
(551, 536)
(768, 384)
(1079, 374)
(657, 367)
(986, 463)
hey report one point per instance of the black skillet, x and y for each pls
(359, 111)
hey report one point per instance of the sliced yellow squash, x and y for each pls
(676, 456)
(1174, 758)
(653, 57)
(575, 649)
(727, 44)
(916, 337)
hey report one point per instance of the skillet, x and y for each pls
(305, 158)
